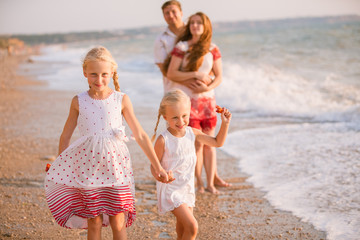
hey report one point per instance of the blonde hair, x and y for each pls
(102, 54)
(169, 99)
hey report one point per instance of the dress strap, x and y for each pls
(191, 133)
(119, 96)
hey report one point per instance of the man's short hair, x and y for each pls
(171, 2)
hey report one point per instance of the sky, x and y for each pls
(61, 16)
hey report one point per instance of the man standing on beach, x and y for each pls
(165, 42)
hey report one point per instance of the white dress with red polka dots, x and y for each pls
(93, 176)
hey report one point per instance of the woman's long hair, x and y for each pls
(199, 49)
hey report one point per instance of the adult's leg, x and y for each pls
(118, 226)
(209, 154)
(94, 228)
(219, 182)
(199, 165)
(210, 164)
(199, 157)
(186, 221)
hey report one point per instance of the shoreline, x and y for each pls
(31, 122)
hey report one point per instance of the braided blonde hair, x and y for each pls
(102, 54)
(169, 99)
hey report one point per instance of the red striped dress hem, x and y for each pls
(71, 206)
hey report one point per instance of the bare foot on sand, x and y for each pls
(213, 190)
(201, 189)
(218, 182)
(200, 186)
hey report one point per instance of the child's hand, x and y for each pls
(225, 115)
(170, 178)
(48, 165)
(161, 176)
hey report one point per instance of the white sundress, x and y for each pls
(179, 157)
(93, 175)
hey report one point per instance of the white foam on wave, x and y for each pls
(261, 90)
(265, 90)
(60, 54)
(308, 169)
(138, 75)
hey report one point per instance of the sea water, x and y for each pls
(294, 90)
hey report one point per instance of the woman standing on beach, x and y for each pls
(91, 183)
(175, 148)
(192, 60)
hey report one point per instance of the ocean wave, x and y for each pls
(269, 91)
(307, 169)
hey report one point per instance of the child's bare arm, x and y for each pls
(141, 137)
(70, 125)
(159, 150)
(219, 140)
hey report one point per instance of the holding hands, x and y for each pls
(170, 178)
(163, 176)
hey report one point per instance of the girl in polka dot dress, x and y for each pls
(91, 183)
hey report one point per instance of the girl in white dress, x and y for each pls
(194, 58)
(176, 150)
(91, 183)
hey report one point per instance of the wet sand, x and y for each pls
(31, 121)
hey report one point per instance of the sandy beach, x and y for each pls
(31, 121)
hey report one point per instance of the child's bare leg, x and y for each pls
(179, 230)
(184, 216)
(118, 226)
(94, 228)
(199, 165)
